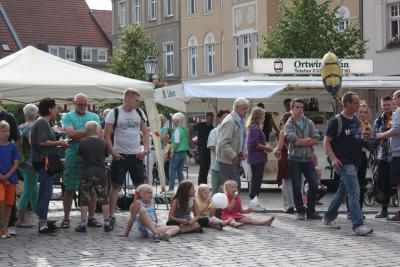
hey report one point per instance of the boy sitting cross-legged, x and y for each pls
(93, 151)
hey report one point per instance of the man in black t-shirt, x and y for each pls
(342, 143)
(269, 123)
(203, 130)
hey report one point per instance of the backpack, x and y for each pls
(340, 125)
(116, 113)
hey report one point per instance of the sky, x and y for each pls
(99, 4)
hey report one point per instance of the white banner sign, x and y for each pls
(311, 66)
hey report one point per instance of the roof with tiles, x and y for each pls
(6, 38)
(61, 22)
(104, 19)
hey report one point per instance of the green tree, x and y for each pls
(309, 30)
(128, 60)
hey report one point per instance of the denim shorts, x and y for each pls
(395, 171)
(130, 164)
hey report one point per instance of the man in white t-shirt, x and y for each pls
(126, 127)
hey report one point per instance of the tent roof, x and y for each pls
(31, 74)
(271, 90)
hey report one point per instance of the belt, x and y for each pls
(128, 155)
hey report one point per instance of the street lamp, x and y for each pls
(150, 66)
(331, 73)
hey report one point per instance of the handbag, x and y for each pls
(53, 164)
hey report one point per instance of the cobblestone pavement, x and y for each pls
(287, 243)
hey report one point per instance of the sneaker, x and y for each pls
(289, 210)
(12, 230)
(108, 228)
(112, 221)
(314, 216)
(258, 208)
(381, 214)
(362, 230)
(80, 228)
(394, 218)
(46, 231)
(301, 216)
(331, 224)
(165, 237)
(4, 234)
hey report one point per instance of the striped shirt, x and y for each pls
(255, 136)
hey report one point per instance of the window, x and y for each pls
(122, 13)
(70, 53)
(193, 56)
(343, 24)
(209, 46)
(169, 58)
(192, 8)
(53, 50)
(136, 10)
(153, 9)
(246, 50)
(236, 51)
(5, 47)
(169, 9)
(208, 6)
(395, 21)
(102, 55)
(86, 54)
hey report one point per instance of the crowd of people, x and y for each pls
(29, 150)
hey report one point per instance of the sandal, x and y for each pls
(92, 222)
(65, 224)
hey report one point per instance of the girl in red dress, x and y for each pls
(235, 211)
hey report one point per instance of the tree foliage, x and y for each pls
(309, 30)
(128, 60)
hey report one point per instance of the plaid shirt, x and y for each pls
(380, 127)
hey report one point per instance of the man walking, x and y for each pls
(126, 123)
(203, 130)
(302, 136)
(342, 143)
(74, 125)
(382, 124)
(394, 135)
(231, 141)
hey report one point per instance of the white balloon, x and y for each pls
(220, 201)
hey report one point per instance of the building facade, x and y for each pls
(202, 39)
(381, 26)
(160, 20)
(64, 28)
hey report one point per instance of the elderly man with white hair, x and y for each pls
(231, 141)
(179, 148)
(74, 125)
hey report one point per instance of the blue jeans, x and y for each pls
(45, 194)
(348, 184)
(296, 168)
(176, 168)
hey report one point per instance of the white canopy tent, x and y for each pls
(271, 90)
(203, 97)
(31, 74)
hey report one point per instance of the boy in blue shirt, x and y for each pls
(9, 159)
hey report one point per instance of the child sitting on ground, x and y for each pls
(9, 159)
(235, 211)
(207, 209)
(144, 217)
(93, 151)
(182, 206)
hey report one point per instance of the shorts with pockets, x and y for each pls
(7, 193)
(130, 164)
